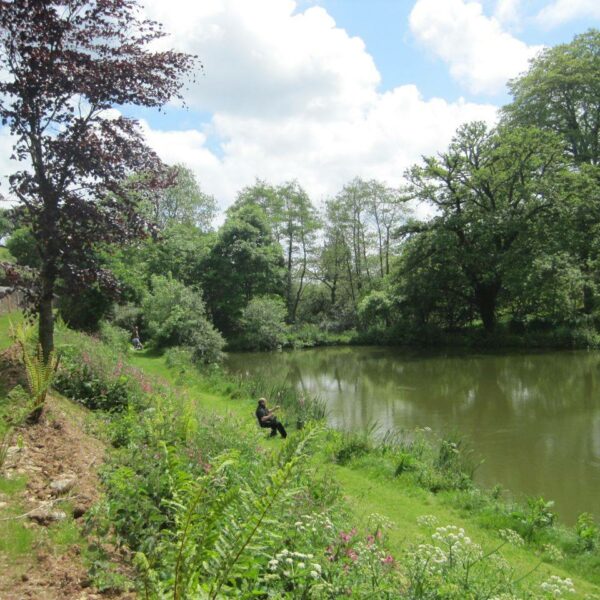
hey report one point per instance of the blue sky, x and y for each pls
(325, 90)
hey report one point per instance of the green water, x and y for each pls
(534, 418)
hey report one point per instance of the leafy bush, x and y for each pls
(85, 310)
(114, 337)
(176, 316)
(263, 324)
(98, 376)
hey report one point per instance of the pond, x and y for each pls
(534, 418)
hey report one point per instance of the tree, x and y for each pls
(294, 223)
(387, 207)
(561, 92)
(263, 324)
(490, 188)
(183, 203)
(244, 262)
(66, 63)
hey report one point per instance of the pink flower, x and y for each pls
(346, 537)
(352, 554)
(388, 560)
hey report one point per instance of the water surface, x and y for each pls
(533, 417)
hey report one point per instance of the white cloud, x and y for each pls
(480, 54)
(508, 12)
(294, 96)
(562, 11)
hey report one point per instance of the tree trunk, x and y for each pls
(485, 299)
(46, 322)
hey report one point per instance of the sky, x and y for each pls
(322, 91)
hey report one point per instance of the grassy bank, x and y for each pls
(207, 506)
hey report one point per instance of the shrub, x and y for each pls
(114, 337)
(176, 316)
(98, 376)
(263, 324)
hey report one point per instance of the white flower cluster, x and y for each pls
(428, 521)
(377, 521)
(430, 559)
(313, 523)
(556, 587)
(552, 552)
(459, 546)
(294, 564)
(512, 537)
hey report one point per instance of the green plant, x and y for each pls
(352, 445)
(587, 531)
(535, 518)
(39, 372)
(263, 324)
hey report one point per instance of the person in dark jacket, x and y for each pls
(266, 418)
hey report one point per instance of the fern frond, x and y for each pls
(233, 548)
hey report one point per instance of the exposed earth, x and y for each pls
(59, 461)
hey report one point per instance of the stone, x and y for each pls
(45, 516)
(62, 486)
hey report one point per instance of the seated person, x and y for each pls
(266, 418)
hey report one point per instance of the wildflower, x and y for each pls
(314, 575)
(512, 537)
(427, 521)
(352, 555)
(556, 586)
(301, 565)
(552, 552)
(289, 561)
(316, 567)
(388, 560)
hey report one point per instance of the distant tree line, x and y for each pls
(511, 245)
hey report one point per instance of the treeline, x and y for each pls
(510, 245)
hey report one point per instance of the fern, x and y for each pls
(38, 372)
(231, 548)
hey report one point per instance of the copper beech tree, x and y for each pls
(64, 65)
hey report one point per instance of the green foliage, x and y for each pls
(375, 309)
(263, 324)
(587, 531)
(114, 337)
(15, 408)
(245, 262)
(175, 315)
(560, 92)
(39, 373)
(98, 376)
(182, 203)
(352, 445)
(537, 517)
(22, 245)
(85, 310)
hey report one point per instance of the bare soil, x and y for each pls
(57, 447)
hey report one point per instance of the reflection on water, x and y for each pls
(534, 418)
